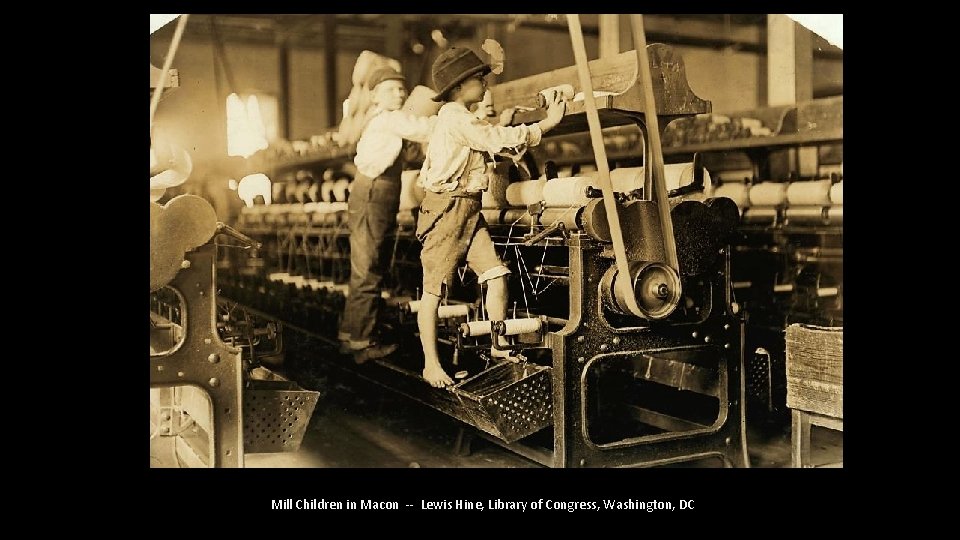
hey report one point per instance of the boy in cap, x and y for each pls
(373, 206)
(450, 225)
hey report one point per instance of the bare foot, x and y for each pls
(436, 376)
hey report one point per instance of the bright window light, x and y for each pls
(250, 124)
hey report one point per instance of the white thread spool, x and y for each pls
(443, 312)
(313, 191)
(326, 191)
(475, 328)
(809, 193)
(340, 188)
(513, 327)
(277, 191)
(449, 312)
(836, 193)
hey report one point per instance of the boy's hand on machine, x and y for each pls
(436, 376)
(555, 110)
(506, 116)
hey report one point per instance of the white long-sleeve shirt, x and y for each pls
(382, 139)
(457, 145)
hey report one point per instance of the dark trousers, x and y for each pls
(372, 211)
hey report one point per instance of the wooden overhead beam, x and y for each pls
(609, 35)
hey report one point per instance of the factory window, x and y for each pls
(251, 123)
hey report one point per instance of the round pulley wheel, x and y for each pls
(655, 286)
(657, 289)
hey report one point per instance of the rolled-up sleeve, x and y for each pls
(479, 135)
(410, 127)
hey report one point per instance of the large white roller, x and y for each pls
(491, 215)
(676, 175)
(564, 192)
(517, 217)
(809, 193)
(526, 192)
(567, 216)
(768, 194)
(763, 215)
(495, 196)
(805, 214)
(739, 193)
(626, 178)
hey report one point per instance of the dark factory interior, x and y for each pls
(507, 241)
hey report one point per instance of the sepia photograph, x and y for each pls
(495, 241)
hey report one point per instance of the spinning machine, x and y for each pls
(621, 309)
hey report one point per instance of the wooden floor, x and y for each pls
(359, 425)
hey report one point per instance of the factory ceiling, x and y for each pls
(746, 32)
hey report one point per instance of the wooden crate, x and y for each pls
(815, 369)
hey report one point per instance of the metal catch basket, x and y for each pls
(275, 415)
(508, 400)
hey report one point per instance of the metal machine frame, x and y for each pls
(201, 359)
